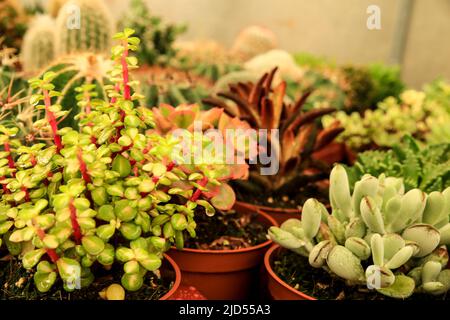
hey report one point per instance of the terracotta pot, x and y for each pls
(277, 288)
(170, 269)
(278, 214)
(223, 274)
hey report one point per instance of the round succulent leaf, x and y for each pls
(345, 264)
(425, 235)
(402, 288)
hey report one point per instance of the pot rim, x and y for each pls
(272, 222)
(273, 275)
(177, 282)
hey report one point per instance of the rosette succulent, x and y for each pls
(110, 192)
(379, 236)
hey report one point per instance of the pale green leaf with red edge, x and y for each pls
(224, 198)
(212, 116)
(183, 118)
(162, 121)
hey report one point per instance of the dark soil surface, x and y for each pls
(227, 231)
(293, 201)
(16, 283)
(315, 282)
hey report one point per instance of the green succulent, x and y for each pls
(426, 168)
(113, 191)
(415, 113)
(378, 236)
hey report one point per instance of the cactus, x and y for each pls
(72, 72)
(206, 58)
(426, 168)
(252, 41)
(157, 37)
(94, 32)
(172, 86)
(38, 47)
(53, 7)
(379, 236)
(288, 69)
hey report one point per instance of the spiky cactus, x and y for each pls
(38, 47)
(94, 31)
(287, 67)
(380, 236)
(252, 41)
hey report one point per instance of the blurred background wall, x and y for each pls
(331, 28)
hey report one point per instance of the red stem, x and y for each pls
(83, 167)
(198, 192)
(125, 74)
(75, 225)
(27, 193)
(52, 120)
(11, 163)
(50, 252)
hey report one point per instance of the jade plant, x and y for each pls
(426, 168)
(114, 191)
(299, 134)
(379, 236)
(72, 72)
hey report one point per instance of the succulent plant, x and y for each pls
(88, 28)
(252, 41)
(187, 117)
(386, 82)
(426, 168)
(157, 37)
(415, 113)
(72, 72)
(38, 47)
(110, 192)
(379, 236)
(300, 136)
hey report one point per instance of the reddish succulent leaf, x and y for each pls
(278, 97)
(267, 114)
(308, 117)
(255, 94)
(326, 136)
(225, 198)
